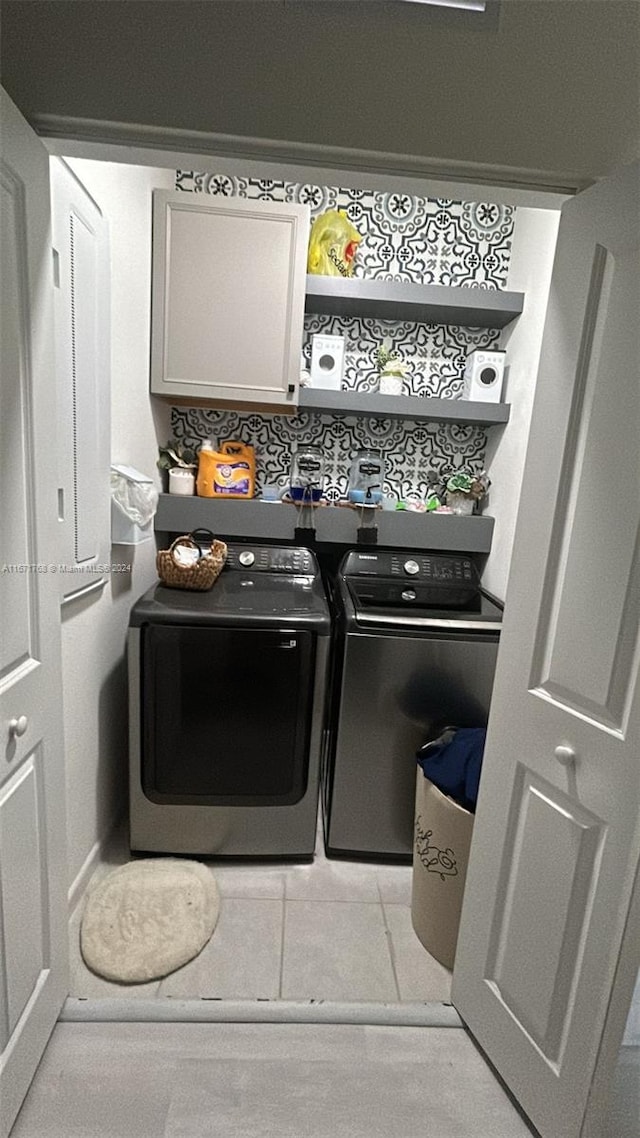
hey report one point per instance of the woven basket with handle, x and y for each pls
(202, 573)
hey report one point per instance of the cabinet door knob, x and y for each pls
(17, 727)
(565, 755)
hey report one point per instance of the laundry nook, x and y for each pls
(319, 570)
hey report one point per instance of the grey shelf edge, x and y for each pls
(372, 405)
(268, 521)
(400, 300)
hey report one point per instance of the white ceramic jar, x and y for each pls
(181, 480)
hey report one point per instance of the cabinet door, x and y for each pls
(228, 299)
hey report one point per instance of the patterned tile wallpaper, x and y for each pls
(404, 237)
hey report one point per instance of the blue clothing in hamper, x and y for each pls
(453, 763)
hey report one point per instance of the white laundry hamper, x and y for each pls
(441, 844)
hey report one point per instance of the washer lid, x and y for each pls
(408, 605)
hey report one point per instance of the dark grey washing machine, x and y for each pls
(415, 646)
(226, 691)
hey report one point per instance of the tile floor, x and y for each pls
(331, 930)
(179, 1080)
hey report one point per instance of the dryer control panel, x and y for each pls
(271, 559)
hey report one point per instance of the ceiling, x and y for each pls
(547, 94)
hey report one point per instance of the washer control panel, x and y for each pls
(429, 568)
(434, 568)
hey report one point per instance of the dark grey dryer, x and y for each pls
(226, 703)
(416, 641)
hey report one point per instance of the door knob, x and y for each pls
(17, 727)
(565, 755)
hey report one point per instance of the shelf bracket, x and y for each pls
(367, 535)
(304, 532)
(367, 532)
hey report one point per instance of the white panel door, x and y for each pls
(33, 874)
(546, 923)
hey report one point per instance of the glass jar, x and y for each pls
(307, 474)
(366, 478)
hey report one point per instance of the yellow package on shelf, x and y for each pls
(333, 243)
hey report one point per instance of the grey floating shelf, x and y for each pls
(270, 521)
(372, 405)
(425, 304)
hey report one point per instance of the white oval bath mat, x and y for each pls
(147, 918)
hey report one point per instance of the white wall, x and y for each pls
(532, 254)
(94, 628)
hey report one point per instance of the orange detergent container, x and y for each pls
(226, 473)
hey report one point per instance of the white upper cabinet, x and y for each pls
(228, 300)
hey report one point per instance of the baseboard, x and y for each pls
(90, 864)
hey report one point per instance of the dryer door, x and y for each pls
(226, 715)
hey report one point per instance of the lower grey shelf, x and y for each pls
(270, 521)
(373, 405)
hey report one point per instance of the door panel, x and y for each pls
(531, 967)
(33, 874)
(21, 850)
(557, 834)
(17, 585)
(592, 587)
(86, 442)
(82, 312)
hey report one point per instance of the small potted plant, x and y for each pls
(464, 490)
(391, 369)
(178, 464)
